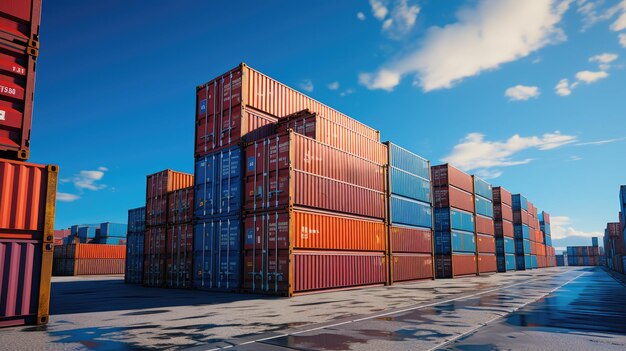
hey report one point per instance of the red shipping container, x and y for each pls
(312, 271)
(19, 22)
(155, 243)
(520, 217)
(27, 206)
(487, 263)
(484, 225)
(502, 211)
(411, 266)
(486, 243)
(180, 206)
(449, 196)
(97, 251)
(504, 228)
(292, 169)
(179, 253)
(501, 195)
(410, 239)
(546, 217)
(17, 86)
(158, 186)
(306, 229)
(315, 126)
(463, 264)
(99, 266)
(443, 175)
(220, 101)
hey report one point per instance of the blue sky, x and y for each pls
(529, 93)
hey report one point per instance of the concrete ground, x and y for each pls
(576, 308)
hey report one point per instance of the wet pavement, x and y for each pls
(580, 308)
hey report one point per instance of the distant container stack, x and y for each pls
(546, 234)
(111, 234)
(614, 246)
(522, 233)
(157, 244)
(583, 256)
(89, 259)
(135, 237)
(504, 232)
(485, 231)
(454, 222)
(560, 260)
(409, 227)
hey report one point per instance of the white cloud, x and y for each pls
(474, 152)
(620, 22)
(360, 16)
(575, 158)
(622, 40)
(563, 88)
(307, 85)
(561, 228)
(103, 169)
(521, 93)
(333, 86)
(89, 180)
(590, 76)
(66, 197)
(601, 142)
(346, 92)
(379, 9)
(592, 12)
(483, 38)
(603, 58)
(385, 80)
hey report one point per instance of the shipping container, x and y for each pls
(19, 22)
(134, 258)
(180, 206)
(460, 264)
(453, 197)
(410, 212)
(137, 220)
(486, 243)
(445, 175)
(519, 202)
(501, 195)
(487, 263)
(483, 207)
(27, 206)
(409, 239)
(155, 243)
(284, 273)
(292, 169)
(179, 255)
(223, 106)
(503, 211)
(315, 126)
(505, 262)
(113, 229)
(504, 228)
(485, 225)
(99, 266)
(218, 183)
(158, 186)
(482, 188)
(411, 266)
(408, 175)
(217, 253)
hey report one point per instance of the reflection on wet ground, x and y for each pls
(592, 301)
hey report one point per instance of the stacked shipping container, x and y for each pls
(158, 246)
(521, 232)
(614, 246)
(454, 222)
(179, 246)
(89, 259)
(409, 227)
(485, 231)
(135, 245)
(583, 256)
(504, 232)
(27, 205)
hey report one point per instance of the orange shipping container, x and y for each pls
(99, 251)
(487, 263)
(501, 195)
(99, 266)
(315, 126)
(486, 243)
(411, 266)
(484, 225)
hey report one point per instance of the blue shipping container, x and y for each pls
(113, 229)
(447, 219)
(410, 212)
(409, 185)
(137, 220)
(482, 188)
(409, 162)
(510, 262)
(111, 240)
(457, 241)
(217, 259)
(218, 186)
(87, 233)
(484, 207)
(519, 202)
(533, 261)
(521, 231)
(133, 273)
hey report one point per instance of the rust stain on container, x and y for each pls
(27, 207)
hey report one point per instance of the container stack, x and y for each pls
(133, 274)
(60, 235)
(560, 260)
(503, 226)
(179, 246)
(111, 234)
(454, 224)
(546, 239)
(485, 231)
(583, 255)
(89, 259)
(27, 191)
(521, 233)
(159, 185)
(614, 246)
(409, 201)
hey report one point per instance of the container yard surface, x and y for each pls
(573, 308)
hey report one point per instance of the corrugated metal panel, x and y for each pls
(486, 244)
(453, 197)
(154, 256)
(100, 251)
(482, 188)
(99, 266)
(326, 131)
(217, 258)
(302, 229)
(27, 206)
(218, 183)
(444, 175)
(134, 258)
(519, 202)
(483, 207)
(408, 239)
(309, 271)
(409, 185)
(137, 220)
(113, 229)
(409, 162)
(295, 170)
(158, 185)
(179, 253)
(484, 225)
(181, 205)
(19, 22)
(501, 195)
(410, 212)
(521, 231)
(487, 263)
(410, 266)
(464, 264)
(504, 228)
(447, 219)
(503, 211)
